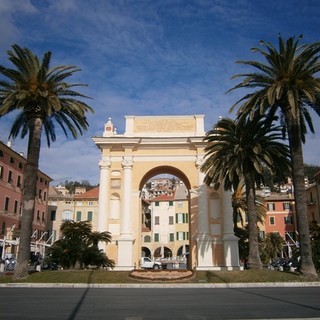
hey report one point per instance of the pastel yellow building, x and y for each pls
(150, 146)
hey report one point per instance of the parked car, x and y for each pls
(147, 263)
(281, 264)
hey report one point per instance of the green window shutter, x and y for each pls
(156, 237)
(157, 204)
(170, 203)
(90, 215)
(171, 237)
(187, 218)
(78, 215)
(176, 218)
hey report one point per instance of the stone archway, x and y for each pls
(151, 144)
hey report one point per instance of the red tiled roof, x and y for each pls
(91, 194)
(163, 197)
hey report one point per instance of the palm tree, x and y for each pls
(41, 98)
(237, 152)
(95, 237)
(239, 206)
(78, 246)
(273, 245)
(287, 84)
(240, 214)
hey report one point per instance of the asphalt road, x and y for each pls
(159, 303)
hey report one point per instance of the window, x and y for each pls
(182, 235)
(43, 217)
(78, 218)
(311, 197)
(156, 237)
(271, 221)
(287, 220)
(180, 204)
(44, 196)
(67, 215)
(262, 234)
(170, 203)
(90, 203)
(147, 239)
(171, 237)
(11, 160)
(10, 176)
(40, 194)
(170, 219)
(156, 220)
(15, 209)
(53, 215)
(1, 172)
(271, 206)
(3, 228)
(157, 203)
(286, 206)
(181, 218)
(90, 215)
(38, 215)
(6, 204)
(19, 181)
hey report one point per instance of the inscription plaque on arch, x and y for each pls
(164, 125)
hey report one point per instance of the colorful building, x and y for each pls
(12, 166)
(313, 200)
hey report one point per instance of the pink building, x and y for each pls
(281, 217)
(12, 166)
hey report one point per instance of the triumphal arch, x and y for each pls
(150, 146)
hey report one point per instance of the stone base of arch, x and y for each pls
(125, 256)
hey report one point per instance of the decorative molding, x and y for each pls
(104, 164)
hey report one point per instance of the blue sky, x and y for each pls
(148, 57)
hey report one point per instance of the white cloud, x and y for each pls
(147, 57)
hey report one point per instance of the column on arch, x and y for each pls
(125, 241)
(204, 240)
(105, 165)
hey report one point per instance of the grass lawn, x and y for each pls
(120, 277)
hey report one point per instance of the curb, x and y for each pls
(163, 285)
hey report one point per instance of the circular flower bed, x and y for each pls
(161, 275)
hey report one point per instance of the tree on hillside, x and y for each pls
(287, 84)
(237, 152)
(41, 97)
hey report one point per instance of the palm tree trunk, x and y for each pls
(307, 265)
(28, 198)
(254, 260)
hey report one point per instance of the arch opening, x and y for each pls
(165, 215)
